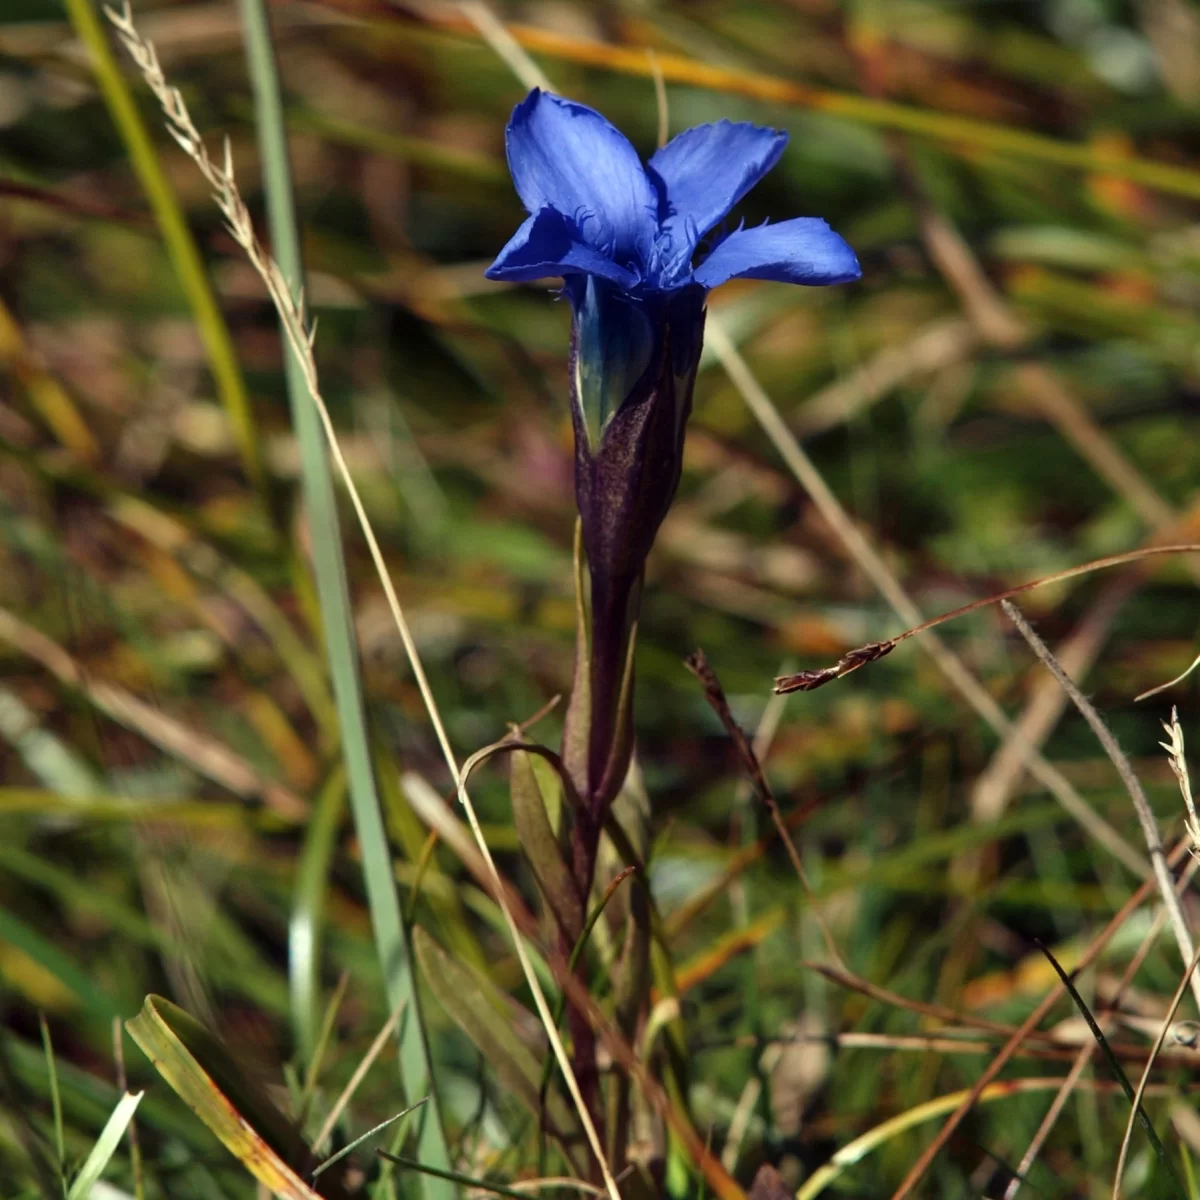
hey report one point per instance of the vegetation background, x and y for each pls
(1013, 389)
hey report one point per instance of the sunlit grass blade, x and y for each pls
(855, 1151)
(391, 938)
(358, 1141)
(105, 1147)
(207, 1079)
(181, 246)
(308, 910)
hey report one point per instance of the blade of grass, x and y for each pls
(1027, 1027)
(105, 1147)
(1189, 1171)
(1137, 1109)
(63, 772)
(181, 246)
(135, 1145)
(312, 1070)
(497, 1189)
(55, 1098)
(1087, 1051)
(391, 938)
(1137, 795)
(348, 1091)
(204, 1074)
(855, 1151)
(303, 662)
(1118, 1071)
(206, 754)
(94, 1001)
(358, 1141)
(46, 395)
(308, 911)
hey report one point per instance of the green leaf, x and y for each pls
(105, 1147)
(541, 846)
(204, 1074)
(480, 1010)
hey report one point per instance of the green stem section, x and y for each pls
(180, 245)
(391, 936)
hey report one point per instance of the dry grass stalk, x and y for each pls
(1175, 756)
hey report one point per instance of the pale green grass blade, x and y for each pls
(181, 246)
(358, 1141)
(105, 1147)
(391, 939)
(308, 911)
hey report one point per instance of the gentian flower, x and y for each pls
(626, 238)
(596, 210)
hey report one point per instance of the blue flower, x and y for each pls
(625, 237)
(595, 209)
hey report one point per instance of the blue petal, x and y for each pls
(705, 171)
(567, 156)
(547, 244)
(803, 250)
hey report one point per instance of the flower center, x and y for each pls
(668, 257)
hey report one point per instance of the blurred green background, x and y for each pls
(1012, 389)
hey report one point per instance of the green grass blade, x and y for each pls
(205, 1075)
(308, 911)
(55, 1099)
(358, 1141)
(1114, 1064)
(1189, 1171)
(391, 939)
(181, 246)
(105, 1147)
(497, 1189)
